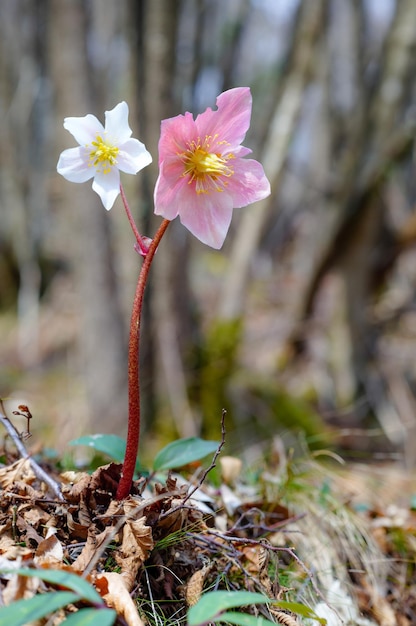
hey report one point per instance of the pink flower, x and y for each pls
(203, 175)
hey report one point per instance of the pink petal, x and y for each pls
(240, 152)
(175, 135)
(73, 165)
(116, 123)
(207, 216)
(248, 184)
(168, 192)
(107, 186)
(133, 156)
(232, 119)
(84, 129)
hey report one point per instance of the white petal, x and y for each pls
(133, 156)
(116, 123)
(73, 165)
(107, 186)
(84, 129)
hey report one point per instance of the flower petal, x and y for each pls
(133, 156)
(209, 151)
(84, 129)
(107, 186)
(168, 191)
(232, 119)
(73, 165)
(175, 135)
(116, 123)
(208, 217)
(248, 184)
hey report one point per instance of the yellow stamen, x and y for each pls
(207, 168)
(104, 155)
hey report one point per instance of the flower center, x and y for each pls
(104, 155)
(208, 169)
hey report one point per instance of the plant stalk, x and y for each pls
(143, 247)
(133, 428)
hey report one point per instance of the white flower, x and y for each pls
(103, 152)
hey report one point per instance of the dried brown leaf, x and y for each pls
(77, 530)
(195, 585)
(118, 598)
(10, 550)
(93, 544)
(34, 515)
(106, 478)
(27, 531)
(137, 542)
(19, 588)
(285, 618)
(83, 513)
(20, 470)
(50, 550)
(230, 468)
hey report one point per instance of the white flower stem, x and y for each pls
(143, 247)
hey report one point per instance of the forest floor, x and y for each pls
(322, 540)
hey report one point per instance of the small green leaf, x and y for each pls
(300, 609)
(91, 617)
(75, 583)
(182, 452)
(27, 611)
(111, 445)
(209, 607)
(243, 619)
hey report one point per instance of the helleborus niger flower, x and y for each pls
(103, 152)
(203, 175)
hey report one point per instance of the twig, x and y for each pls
(269, 546)
(204, 474)
(262, 527)
(39, 472)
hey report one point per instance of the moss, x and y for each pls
(266, 408)
(218, 365)
(257, 407)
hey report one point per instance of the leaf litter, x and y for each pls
(152, 556)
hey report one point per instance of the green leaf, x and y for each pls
(182, 452)
(244, 619)
(111, 445)
(209, 607)
(300, 609)
(79, 585)
(91, 617)
(27, 611)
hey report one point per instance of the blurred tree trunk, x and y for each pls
(163, 355)
(298, 74)
(374, 137)
(24, 106)
(102, 334)
(224, 337)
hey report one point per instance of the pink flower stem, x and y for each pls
(133, 428)
(143, 247)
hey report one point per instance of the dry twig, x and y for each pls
(37, 469)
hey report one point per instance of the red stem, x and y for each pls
(133, 428)
(134, 228)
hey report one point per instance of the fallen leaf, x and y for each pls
(118, 598)
(136, 545)
(18, 471)
(93, 544)
(50, 551)
(230, 468)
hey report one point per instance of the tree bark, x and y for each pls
(102, 340)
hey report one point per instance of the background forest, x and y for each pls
(306, 319)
